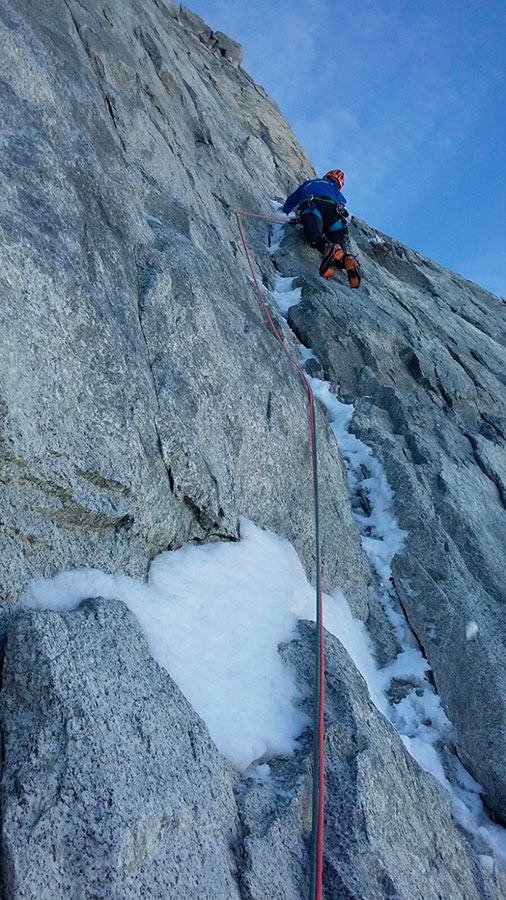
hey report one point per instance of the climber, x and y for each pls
(322, 213)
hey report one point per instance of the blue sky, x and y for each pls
(409, 98)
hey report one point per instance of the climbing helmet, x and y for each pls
(336, 175)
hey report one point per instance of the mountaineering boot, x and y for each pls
(352, 270)
(331, 256)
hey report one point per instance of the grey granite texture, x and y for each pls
(422, 355)
(113, 789)
(144, 403)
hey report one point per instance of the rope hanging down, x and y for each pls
(316, 872)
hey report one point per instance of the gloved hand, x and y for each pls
(342, 211)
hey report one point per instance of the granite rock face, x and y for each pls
(130, 330)
(110, 780)
(112, 787)
(144, 403)
(421, 353)
(382, 841)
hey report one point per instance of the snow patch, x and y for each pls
(471, 630)
(284, 294)
(213, 616)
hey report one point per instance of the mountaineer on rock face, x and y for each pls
(321, 209)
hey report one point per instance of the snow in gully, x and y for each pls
(418, 717)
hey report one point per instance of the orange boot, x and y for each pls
(332, 256)
(352, 270)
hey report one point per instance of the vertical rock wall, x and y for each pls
(144, 403)
(422, 354)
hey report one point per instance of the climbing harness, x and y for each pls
(307, 205)
(316, 853)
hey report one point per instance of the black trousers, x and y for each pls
(316, 229)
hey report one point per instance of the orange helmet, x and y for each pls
(336, 175)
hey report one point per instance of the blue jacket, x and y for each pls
(317, 187)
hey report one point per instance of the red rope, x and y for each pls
(319, 761)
